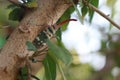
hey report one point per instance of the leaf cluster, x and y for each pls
(18, 9)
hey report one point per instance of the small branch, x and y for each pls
(13, 52)
(102, 14)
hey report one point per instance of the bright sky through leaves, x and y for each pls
(85, 39)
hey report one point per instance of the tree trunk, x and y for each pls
(14, 52)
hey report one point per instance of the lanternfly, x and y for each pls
(49, 33)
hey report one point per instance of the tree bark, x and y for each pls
(14, 52)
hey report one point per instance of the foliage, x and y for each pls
(60, 53)
(2, 40)
(58, 56)
(30, 46)
(57, 52)
(50, 68)
(65, 16)
(85, 9)
(91, 12)
(23, 73)
(31, 3)
(16, 14)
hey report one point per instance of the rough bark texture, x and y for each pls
(14, 52)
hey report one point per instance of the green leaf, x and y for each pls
(11, 6)
(16, 14)
(77, 11)
(31, 3)
(91, 12)
(57, 64)
(60, 52)
(50, 68)
(59, 35)
(2, 40)
(30, 46)
(66, 16)
(23, 73)
(84, 11)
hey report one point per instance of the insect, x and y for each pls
(49, 33)
(40, 43)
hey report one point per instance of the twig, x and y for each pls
(102, 14)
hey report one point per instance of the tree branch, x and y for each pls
(14, 52)
(101, 13)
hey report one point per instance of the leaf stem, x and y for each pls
(61, 71)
